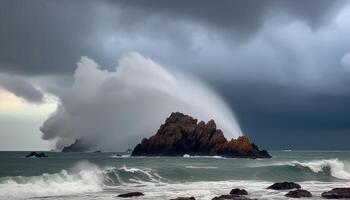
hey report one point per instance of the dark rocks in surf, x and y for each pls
(131, 194)
(299, 193)
(337, 193)
(238, 191)
(184, 198)
(284, 186)
(230, 196)
(36, 155)
(181, 134)
(77, 146)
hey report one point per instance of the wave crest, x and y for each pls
(335, 167)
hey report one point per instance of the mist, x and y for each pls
(114, 110)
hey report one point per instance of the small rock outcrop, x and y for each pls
(184, 198)
(182, 134)
(238, 191)
(337, 193)
(284, 186)
(36, 155)
(131, 194)
(299, 193)
(77, 146)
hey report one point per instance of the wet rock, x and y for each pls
(182, 134)
(299, 193)
(131, 194)
(36, 155)
(337, 193)
(238, 191)
(230, 196)
(284, 186)
(184, 198)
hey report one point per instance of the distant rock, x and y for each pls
(184, 198)
(337, 193)
(299, 193)
(238, 191)
(131, 194)
(77, 146)
(181, 134)
(36, 155)
(284, 186)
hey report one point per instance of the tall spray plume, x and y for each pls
(113, 110)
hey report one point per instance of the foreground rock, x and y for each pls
(181, 134)
(230, 196)
(298, 193)
(36, 155)
(284, 186)
(131, 194)
(337, 193)
(238, 191)
(184, 198)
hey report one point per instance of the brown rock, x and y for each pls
(181, 134)
(230, 196)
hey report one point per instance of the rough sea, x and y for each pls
(101, 176)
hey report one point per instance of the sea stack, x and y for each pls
(181, 134)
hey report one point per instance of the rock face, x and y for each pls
(36, 155)
(298, 194)
(337, 193)
(181, 134)
(284, 186)
(131, 194)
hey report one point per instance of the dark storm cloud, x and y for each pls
(21, 88)
(45, 37)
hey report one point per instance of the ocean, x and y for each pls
(102, 176)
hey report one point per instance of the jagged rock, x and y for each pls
(238, 191)
(77, 146)
(181, 134)
(131, 194)
(298, 193)
(230, 196)
(184, 198)
(37, 155)
(284, 186)
(337, 193)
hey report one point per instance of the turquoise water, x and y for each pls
(105, 175)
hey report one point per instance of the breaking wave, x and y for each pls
(334, 167)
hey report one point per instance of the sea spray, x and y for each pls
(113, 110)
(83, 177)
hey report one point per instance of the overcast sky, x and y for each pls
(283, 67)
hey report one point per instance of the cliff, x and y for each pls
(182, 134)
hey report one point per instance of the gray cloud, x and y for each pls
(21, 88)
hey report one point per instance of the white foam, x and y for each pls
(200, 167)
(85, 178)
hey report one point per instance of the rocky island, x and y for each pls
(181, 134)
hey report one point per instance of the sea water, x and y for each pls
(105, 175)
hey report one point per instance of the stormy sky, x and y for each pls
(283, 67)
